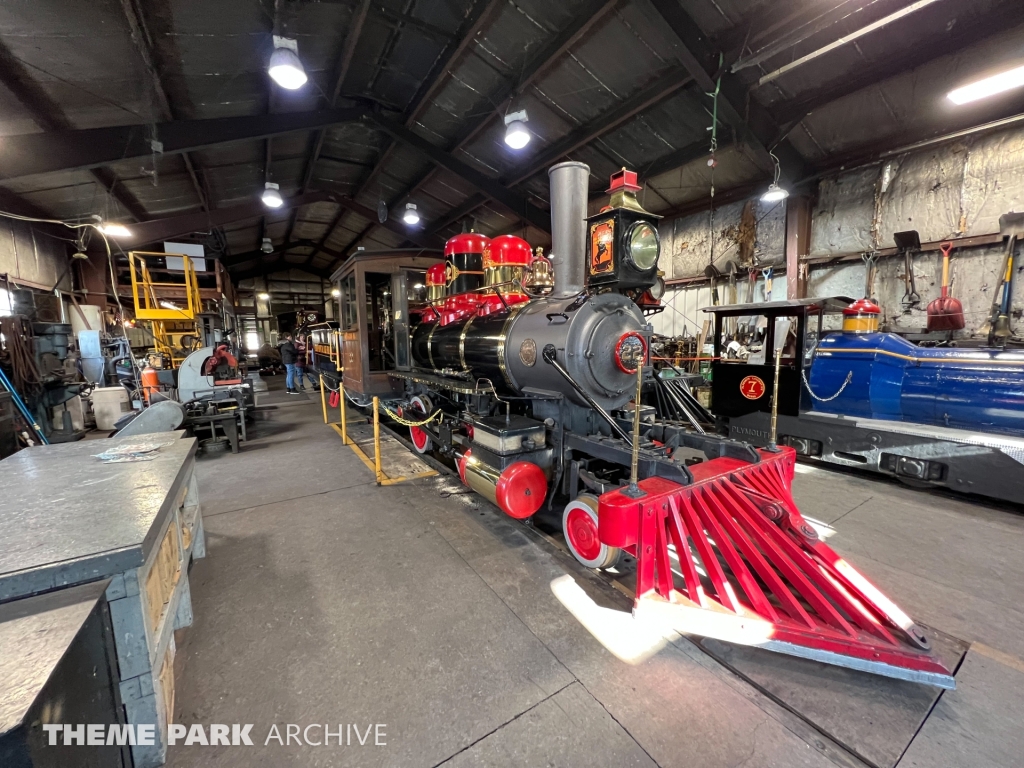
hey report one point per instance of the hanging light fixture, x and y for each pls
(285, 67)
(114, 230)
(263, 296)
(272, 195)
(267, 246)
(335, 292)
(411, 216)
(775, 192)
(516, 134)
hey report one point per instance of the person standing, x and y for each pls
(289, 354)
(300, 364)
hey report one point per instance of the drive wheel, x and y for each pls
(419, 408)
(579, 524)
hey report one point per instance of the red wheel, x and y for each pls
(419, 407)
(579, 524)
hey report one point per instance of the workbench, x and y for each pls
(68, 518)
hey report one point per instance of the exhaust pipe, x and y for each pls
(569, 191)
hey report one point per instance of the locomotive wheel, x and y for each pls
(579, 524)
(419, 407)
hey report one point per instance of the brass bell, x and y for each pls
(539, 280)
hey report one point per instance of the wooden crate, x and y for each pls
(163, 576)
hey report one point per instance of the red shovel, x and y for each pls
(945, 313)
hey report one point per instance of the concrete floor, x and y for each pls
(325, 599)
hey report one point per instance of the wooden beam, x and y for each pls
(167, 228)
(968, 31)
(348, 51)
(535, 66)
(798, 244)
(480, 15)
(494, 189)
(49, 116)
(752, 122)
(144, 45)
(66, 149)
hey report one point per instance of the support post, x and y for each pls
(344, 412)
(323, 397)
(772, 446)
(376, 440)
(798, 244)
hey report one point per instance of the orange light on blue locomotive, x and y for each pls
(861, 317)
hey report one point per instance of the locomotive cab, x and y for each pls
(746, 338)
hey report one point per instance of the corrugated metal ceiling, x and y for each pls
(211, 58)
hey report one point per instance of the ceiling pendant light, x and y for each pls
(775, 192)
(272, 196)
(516, 134)
(990, 86)
(411, 216)
(285, 67)
(267, 246)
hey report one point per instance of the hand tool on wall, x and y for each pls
(870, 272)
(906, 243)
(767, 273)
(945, 313)
(1011, 226)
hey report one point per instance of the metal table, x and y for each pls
(58, 666)
(67, 518)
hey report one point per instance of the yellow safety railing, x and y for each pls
(341, 427)
(152, 297)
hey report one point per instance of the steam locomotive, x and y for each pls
(536, 359)
(525, 371)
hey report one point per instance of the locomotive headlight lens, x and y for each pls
(658, 289)
(644, 246)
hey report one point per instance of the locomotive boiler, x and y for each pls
(523, 371)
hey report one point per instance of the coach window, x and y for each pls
(379, 328)
(349, 304)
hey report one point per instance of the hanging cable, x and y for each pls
(713, 160)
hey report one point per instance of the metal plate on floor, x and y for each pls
(874, 717)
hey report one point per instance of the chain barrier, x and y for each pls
(406, 422)
(803, 375)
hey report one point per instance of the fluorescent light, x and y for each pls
(263, 296)
(1004, 81)
(271, 195)
(169, 305)
(335, 292)
(774, 194)
(516, 134)
(285, 67)
(115, 230)
(411, 216)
